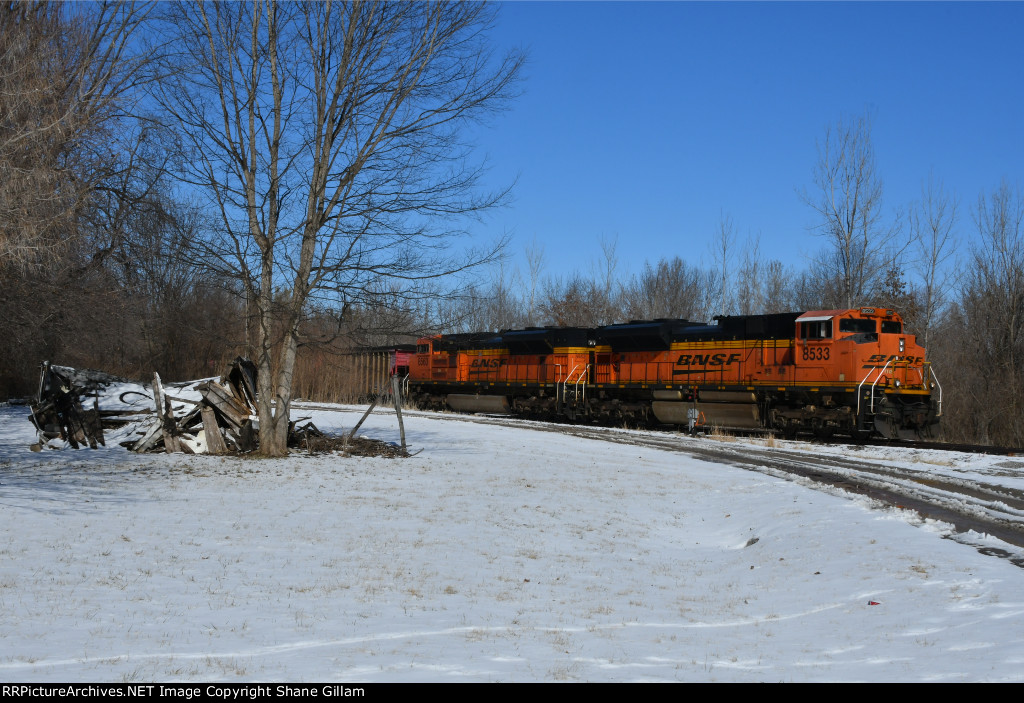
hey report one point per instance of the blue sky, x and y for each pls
(646, 122)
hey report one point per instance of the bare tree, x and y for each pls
(777, 297)
(535, 264)
(750, 298)
(932, 224)
(501, 307)
(467, 312)
(994, 301)
(848, 201)
(670, 289)
(896, 293)
(979, 347)
(327, 136)
(66, 71)
(605, 289)
(572, 302)
(70, 144)
(722, 253)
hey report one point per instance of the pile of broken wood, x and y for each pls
(58, 412)
(222, 421)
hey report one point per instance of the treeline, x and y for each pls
(98, 257)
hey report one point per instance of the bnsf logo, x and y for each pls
(487, 363)
(882, 358)
(707, 359)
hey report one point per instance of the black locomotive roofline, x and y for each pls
(542, 340)
(636, 335)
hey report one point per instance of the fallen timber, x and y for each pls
(223, 420)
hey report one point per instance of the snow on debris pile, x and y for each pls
(209, 416)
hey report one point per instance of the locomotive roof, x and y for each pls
(820, 315)
(644, 334)
(542, 340)
(638, 335)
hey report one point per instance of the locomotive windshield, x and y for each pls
(892, 327)
(849, 324)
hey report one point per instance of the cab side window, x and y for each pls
(820, 329)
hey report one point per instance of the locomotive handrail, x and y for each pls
(582, 379)
(882, 373)
(565, 383)
(931, 372)
(861, 384)
(583, 372)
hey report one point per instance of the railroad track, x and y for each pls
(942, 446)
(972, 507)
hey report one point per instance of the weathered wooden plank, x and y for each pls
(151, 437)
(93, 426)
(222, 400)
(158, 395)
(365, 415)
(241, 379)
(214, 440)
(171, 443)
(396, 394)
(191, 418)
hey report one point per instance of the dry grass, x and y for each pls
(717, 433)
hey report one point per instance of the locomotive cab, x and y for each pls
(881, 369)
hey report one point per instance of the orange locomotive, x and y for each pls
(852, 372)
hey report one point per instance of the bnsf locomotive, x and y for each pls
(852, 372)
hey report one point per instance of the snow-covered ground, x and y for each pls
(495, 554)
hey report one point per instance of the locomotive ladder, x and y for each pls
(861, 385)
(578, 398)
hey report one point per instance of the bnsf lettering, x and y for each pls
(882, 358)
(707, 359)
(487, 363)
